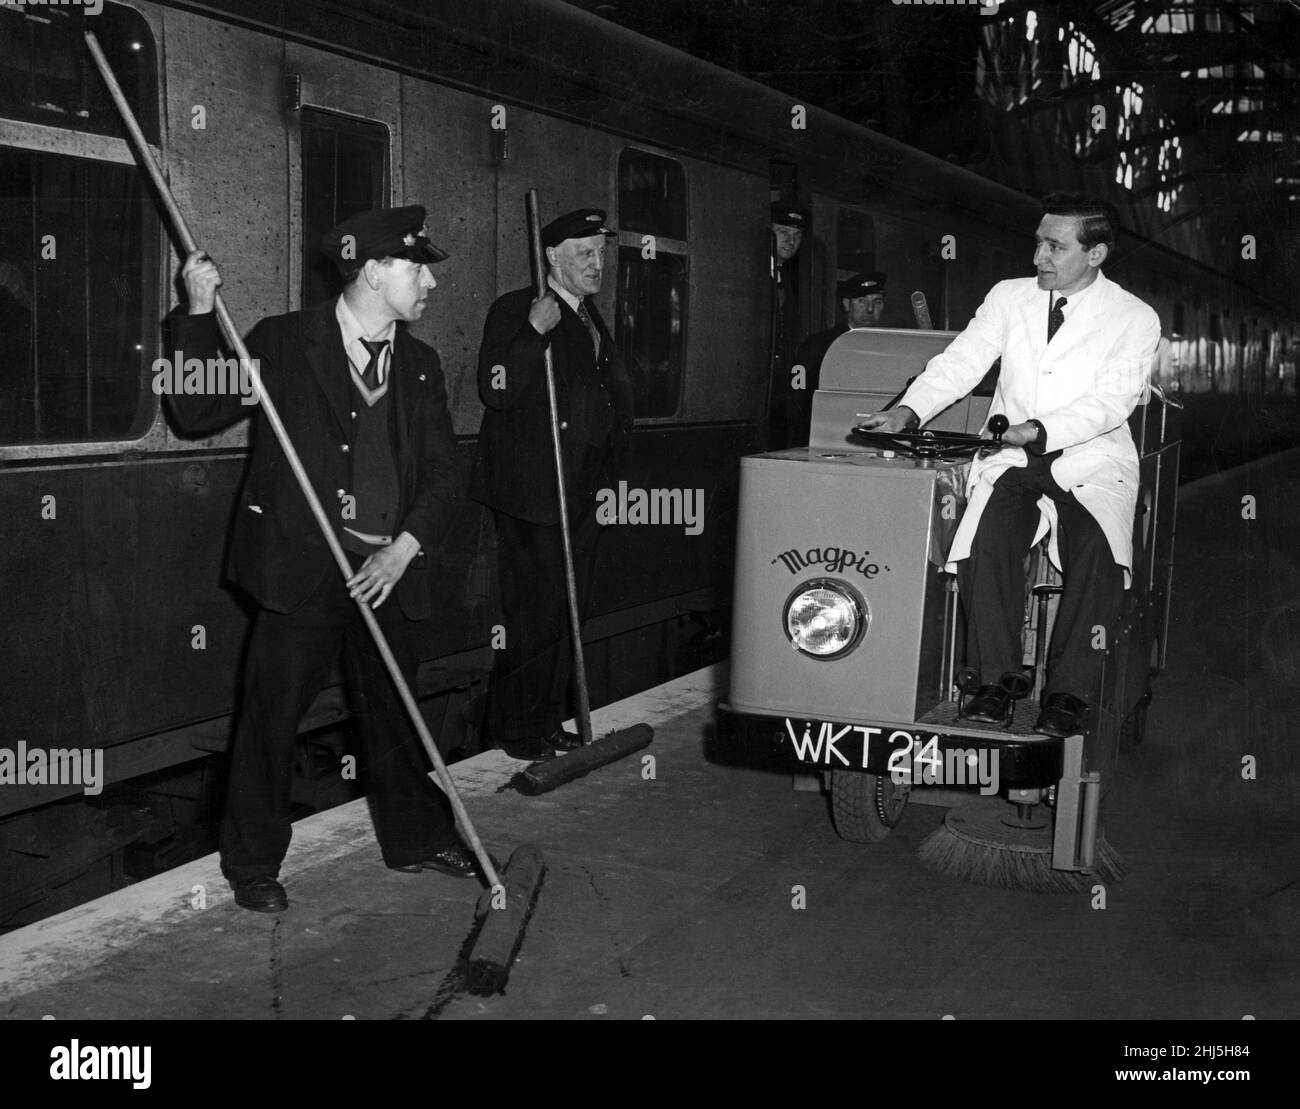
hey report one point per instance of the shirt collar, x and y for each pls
(358, 357)
(1073, 300)
(353, 331)
(569, 299)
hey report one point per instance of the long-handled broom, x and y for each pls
(504, 908)
(542, 777)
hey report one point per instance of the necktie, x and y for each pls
(590, 325)
(1055, 318)
(370, 375)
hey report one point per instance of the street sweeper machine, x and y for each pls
(847, 634)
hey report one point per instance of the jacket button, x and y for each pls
(564, 425)
(345, 447)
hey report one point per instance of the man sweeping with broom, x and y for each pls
(515, 474)
(366, 406)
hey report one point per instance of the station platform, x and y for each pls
(673, 888)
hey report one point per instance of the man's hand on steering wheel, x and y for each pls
(1017, 435)
(891, 431)
(895, 420)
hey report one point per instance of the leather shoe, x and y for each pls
(564, 741)
(991, 704)
(262, 895)
(456, 861)
(1062, 715)
(532, 749)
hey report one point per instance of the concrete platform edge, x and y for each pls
(50, 950)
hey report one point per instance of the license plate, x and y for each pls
(916, 758)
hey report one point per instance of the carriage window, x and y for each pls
(653, 278)
(77, 237)
(48, 76)
(74, 283)
(344, 171)
(855, 242)
(651, 327)
(651, 194)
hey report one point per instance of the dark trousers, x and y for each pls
(789, 421)
(530, 679)
(992, 583)
(289, 658)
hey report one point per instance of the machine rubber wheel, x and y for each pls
(866, 807)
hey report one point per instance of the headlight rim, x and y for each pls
(846, 589)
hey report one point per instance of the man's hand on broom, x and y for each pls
(544, 314)
(202, 279)
(383, 570)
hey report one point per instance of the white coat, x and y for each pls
(1081, 387)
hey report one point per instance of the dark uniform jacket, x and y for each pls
(515, 473)
(812, 352)
(277, 553)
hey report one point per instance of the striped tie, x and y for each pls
(585, 317)
(370, 375)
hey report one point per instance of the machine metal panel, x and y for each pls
(930, 661)
(866, 368)
(834, 415)
(879, 359)
(804, 517)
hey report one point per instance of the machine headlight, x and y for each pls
(826, 618)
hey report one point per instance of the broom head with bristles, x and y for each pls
(977, 843)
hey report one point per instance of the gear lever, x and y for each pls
(998, 425)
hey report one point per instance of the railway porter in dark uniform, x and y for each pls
(365, 405)
(515, 473)
(862, 297)
(1077, 352)
(790, 223)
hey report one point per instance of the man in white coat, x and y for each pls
(1077, 352)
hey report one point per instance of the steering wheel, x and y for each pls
(943, 445)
